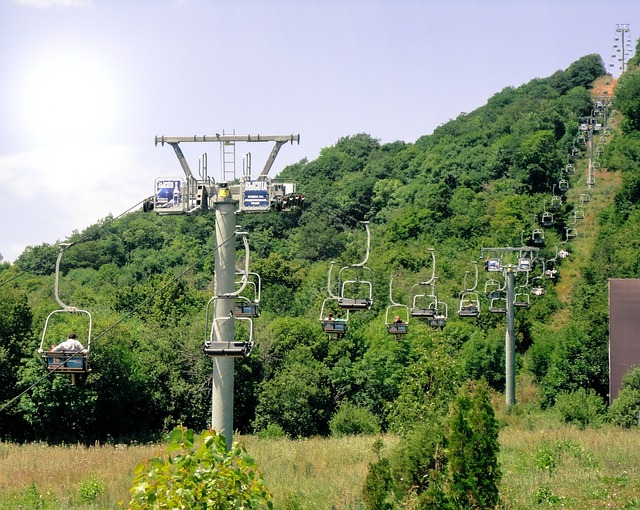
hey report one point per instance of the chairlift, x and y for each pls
(352, 279)
(556, 202)
(439, 319)
(591, 181)
(247, 295)
(74, 362)
(249, 306)
(570, 233)
(585, 197)
(335, 327)
(578, 214)
(563, 185)
(570, 168)
(525, 263)
(469, 305)
(424, 304)
(537, 236)
(240, 308)
(498, 304)
(400, 323)
(546, 219)
(216, 344)
(493, 289)
(537, 287)
(550, 270)
(521, 300)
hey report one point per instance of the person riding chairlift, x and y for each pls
(71, 344)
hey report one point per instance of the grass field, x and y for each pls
(545, 465)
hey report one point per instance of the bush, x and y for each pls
(625, 409)
(351, 420)
(272, 431)
(581, 408)
(202, 475)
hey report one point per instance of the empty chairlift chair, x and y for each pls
(355, 283)
(469, 305)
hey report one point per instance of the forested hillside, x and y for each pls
(484, 179)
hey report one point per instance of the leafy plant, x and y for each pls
(198, 472)
(91, 489)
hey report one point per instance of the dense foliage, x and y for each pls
(480, 180)
(198, 472)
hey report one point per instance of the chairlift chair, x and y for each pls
(537, 236)
(249, 306)
(469, 305)
(217, 346)
(439, 320)
(563, 185)
(335, 327)
(70, 362)
(398, 326)
(66, 362)
(546, 219)
(493, 289)
(570, 233)
(352, 279)
(424, 304)
(498, 305)
(521, 300)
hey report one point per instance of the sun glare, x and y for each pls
(68, 97)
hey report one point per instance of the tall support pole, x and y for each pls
(590, 178)
(510, 339)
(223, 366)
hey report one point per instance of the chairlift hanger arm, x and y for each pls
(245, 275)
(271, 158)
(63, 246)
(366, 257)
(181, 159)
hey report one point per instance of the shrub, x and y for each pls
(581, 408)
(353, 420)
(91, 489)
(203, 474)
(625, 409)
(272, 431)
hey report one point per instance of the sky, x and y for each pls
(86, 85)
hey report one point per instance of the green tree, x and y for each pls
(473, 473)
(627, 100)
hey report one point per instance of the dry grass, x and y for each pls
(544, 463)
(570, 468)
(317, 473)
(58, 473)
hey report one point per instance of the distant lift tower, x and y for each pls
(175, 195)
(621, 51)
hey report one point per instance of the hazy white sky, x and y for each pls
(87, 84)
